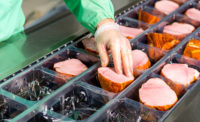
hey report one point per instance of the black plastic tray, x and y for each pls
(91, 102)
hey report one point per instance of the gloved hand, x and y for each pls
(108, 36)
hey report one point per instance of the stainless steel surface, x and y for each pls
(41, 38)
(37, 44)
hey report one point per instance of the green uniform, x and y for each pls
(88, 12)
(11, 23)
(11, 18)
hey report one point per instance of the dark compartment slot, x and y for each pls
(198, 34)
(34, 85)
(127, 110)
(129, 22)
(40, 117)
(92, 78)
(134, 14)
(78, 103)
(9, 108)
(86, 59)
(152, 2)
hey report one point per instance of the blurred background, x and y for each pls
(35, 9)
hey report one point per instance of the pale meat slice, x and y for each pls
(90, 45)
(180, 73)
(193, 75)
(193, 13)
(141, 62)
(130, 32)
(179, 29)
(70, 67)
(112, 81)
(157, 94)
(166, 6)
(179, 76)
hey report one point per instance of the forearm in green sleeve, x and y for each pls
(90, 12)
(11, 18)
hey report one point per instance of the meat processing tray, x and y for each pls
(39, 93)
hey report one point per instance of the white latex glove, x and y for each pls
(108, 36)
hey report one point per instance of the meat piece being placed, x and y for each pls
(130, 32)
(147, 17)
(166, 6)
(179, 30)
(70, 67)
(158, 43)
(155, 93)
(193, 13)
(90, 45)
(179, 76)
(141, 62)
(112, 81)
(192, 49)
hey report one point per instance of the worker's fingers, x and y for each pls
(116, 55)
(125, 59)
(130, 58)
(103, 54)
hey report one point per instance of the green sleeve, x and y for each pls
(11, 18)
(90, 12)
